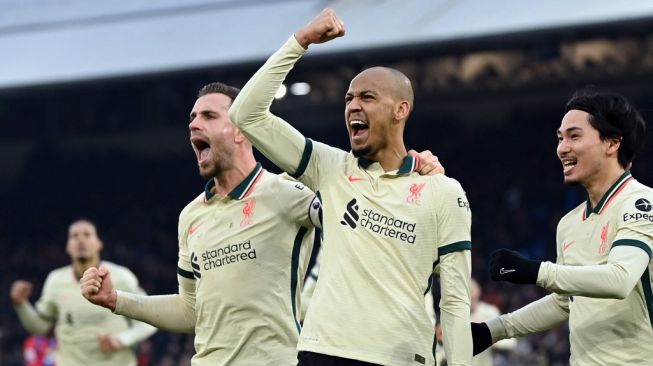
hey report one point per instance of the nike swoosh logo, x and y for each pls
(355, 179)
(192, 230)
(506, 271)
(566, 245)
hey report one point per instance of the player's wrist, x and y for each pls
(112, 300)
(302, 39)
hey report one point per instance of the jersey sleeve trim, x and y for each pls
(294, 268)
(184, 273)
(648, 294)
(454, 247)
(306, 156)
(634, 243)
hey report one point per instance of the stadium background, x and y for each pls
(94, 102)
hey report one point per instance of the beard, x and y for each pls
(362, 152)
(218, 166)
(83, 259)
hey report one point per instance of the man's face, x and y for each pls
(83, 242)
(580, 149)
(369, 111)
(212, 134)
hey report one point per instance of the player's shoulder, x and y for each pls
(443, 183)
(636, 197)
(122, 276)
(575, 214)
(117, 268)
(284, 185)
(198, 201)
(61, 273)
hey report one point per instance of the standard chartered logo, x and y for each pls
(378, 223)
(228, 254)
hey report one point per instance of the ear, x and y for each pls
(613, 146)
(238, 136)
(402, 109)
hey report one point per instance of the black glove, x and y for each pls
(508, 265)
(481, 337)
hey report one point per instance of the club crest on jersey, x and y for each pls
(604, 239)
(248, 212)
(415, 193)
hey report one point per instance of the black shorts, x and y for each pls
(317, 359)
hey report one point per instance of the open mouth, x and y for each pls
(202, 149)
(568, 164)
(359, 129)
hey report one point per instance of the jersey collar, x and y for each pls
(617, 187)
(409, 164)
(241, 189)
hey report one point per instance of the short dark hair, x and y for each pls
(219, 88)
(614, 117)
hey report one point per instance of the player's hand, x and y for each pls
(508, 265)
(325, 27)
(97, 287)
(20, 291)
(429, 164)
(109, 343)
(481, 337)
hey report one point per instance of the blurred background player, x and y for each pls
(86, 334)
(602, 278)
(388, 228)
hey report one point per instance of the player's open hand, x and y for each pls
(20, 291)
(109, 343)
(97, 287)
(429, 164)
(325, 27)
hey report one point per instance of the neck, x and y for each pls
(229, 179)
(81, 266)
(597, 188)
(390, 158)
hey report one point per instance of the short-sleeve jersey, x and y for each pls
(610, 331)
(383, 233)
(77, 321)
(248, 253)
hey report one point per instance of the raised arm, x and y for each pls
(275, 138)
(32, 320)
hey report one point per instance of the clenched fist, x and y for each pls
(20, 291)
(97, 287)
(325, 27)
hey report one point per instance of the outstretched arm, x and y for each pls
(169, 312)
(614, 279)
(275, 138)
(538, 316)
